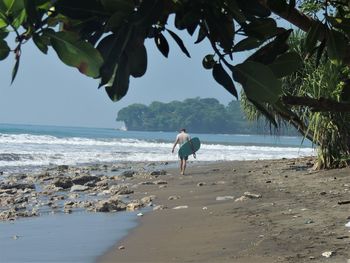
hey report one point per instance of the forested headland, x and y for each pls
(199, 115)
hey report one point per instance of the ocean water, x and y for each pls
(60, 238)
(27, 147)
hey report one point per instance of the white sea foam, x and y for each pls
(20, 150)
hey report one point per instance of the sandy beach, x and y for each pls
(244, 211)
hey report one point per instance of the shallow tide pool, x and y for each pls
(77, 237)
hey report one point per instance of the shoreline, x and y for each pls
(291, 214)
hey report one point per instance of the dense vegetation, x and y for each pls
(197, 115)
(321, 81)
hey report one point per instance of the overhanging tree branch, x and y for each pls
(300, 20)
(317, 105)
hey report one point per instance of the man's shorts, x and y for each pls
(184, 158)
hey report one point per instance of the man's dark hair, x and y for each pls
(183, 129)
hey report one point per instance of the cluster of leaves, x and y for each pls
(197, 115)
(104, 39)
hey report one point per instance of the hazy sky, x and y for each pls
(48, 92)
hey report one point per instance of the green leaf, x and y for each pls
(262, 28)
(247, 44)
(312, 37)
(202, 33)
(3, 34)
(32, 13)
(4, 49)
(3, 23)
(190, 18)
(222, 31)
(178, 40)
(235, 11)
(19, 19)
(41, 42)
(286, 64)
(115, 21)
(111, 48)
(12, 12)
(162, 44)
(12, 6)
(269, 52)
(224, 79)
(15, 68)
(336, 46)
(138, 61)
(192, 28)
(120, 85)
(76, 53)
(258, 81)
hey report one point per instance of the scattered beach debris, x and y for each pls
(328, 254)
(158, 172)
(159, 182)
(252, 195)
(159, 207)
(15, 237)
(79, 188)
(147, 199)
(204, 208)
(224, 198)
(309, 221)
(201, 184)
(132, 206)
(241, 199)
(174, 197)
(121, 247)
(180, 207)
(84, 179)
(219, 183)
(128, 173)
(140, 214)
(345, 202)
(342, 237)
(347, 224)
(147, 183)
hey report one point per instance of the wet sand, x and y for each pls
(292, 214)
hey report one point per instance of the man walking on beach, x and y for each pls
(181, 139)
